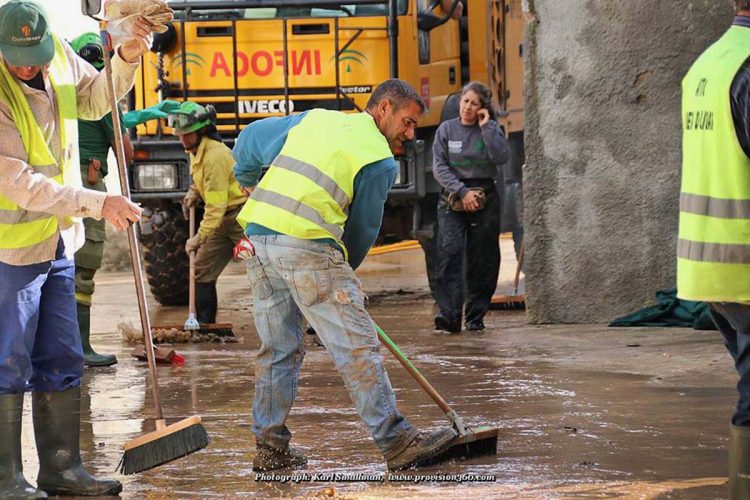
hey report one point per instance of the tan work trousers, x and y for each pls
(214, 254)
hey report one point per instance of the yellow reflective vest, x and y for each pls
(713, 250)
(20, 228)
(307, 191)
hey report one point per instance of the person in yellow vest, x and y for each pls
(44, 89)
(311, 220)
(211, 164)
(713, 249)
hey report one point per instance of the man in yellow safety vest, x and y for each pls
(713, 252)
(311, 220)
(44, 88)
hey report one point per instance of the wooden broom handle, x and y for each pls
(135, 256)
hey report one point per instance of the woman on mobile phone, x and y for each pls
(467, 153)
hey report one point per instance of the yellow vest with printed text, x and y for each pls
(713, 250)
(307, 191)
(20, 228)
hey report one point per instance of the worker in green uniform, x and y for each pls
(211, 165)
(94, 140)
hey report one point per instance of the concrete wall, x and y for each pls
(603, 149)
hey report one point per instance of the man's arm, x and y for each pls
(257, 146)
(33, 191)
(739, 96)
(371, 187)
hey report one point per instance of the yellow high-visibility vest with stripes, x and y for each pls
(308, 188)
(20, 228)
(713, 250)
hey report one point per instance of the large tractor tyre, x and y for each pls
(167, 265)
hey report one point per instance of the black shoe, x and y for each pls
(441, 323)
(424, 447)
(267, 459)
(475, 326)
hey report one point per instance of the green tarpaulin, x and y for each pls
(670, 311)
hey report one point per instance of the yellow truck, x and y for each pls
(261, 58)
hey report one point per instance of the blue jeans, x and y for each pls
(733, 321)
(39, 340)
(291, 279)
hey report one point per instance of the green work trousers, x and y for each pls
(89, 257)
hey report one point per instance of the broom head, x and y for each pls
(206, 332)
(478, 442)
(166, 443)
(508, 302)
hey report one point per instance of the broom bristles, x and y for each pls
(480, 442)
(163, 446)
(508, 302)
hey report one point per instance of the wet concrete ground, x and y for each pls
(583, 411)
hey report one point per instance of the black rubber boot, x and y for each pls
(739, 462)
(90, 357)
(57, 428)
(12, 482)
(206, 302)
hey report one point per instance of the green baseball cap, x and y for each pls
(25, 38)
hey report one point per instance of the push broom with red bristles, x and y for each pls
(167, 442)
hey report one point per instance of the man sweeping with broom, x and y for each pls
(44, 89)
(311, 220)
(211, 164)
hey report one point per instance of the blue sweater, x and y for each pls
(259, 144)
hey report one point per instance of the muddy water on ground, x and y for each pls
(578, 433)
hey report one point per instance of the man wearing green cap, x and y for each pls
(211, 165)
(44, 89)
(95, 137)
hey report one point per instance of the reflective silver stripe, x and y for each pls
(714, 207)
(297, 208)
(20, 216)
(723, 253)
(314, 174)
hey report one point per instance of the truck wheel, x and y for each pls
(167, 265)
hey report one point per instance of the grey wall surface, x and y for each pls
(601, 183)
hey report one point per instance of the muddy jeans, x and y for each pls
(733, 321)
(292, 278)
